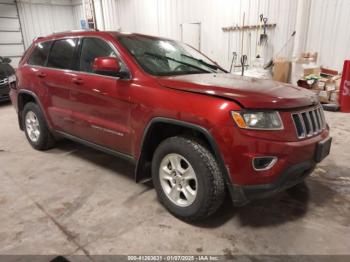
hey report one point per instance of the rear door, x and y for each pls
(31, 75)
(101, 104)
(57, 78)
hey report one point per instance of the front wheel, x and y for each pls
(187, 178)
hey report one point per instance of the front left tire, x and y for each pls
(187, 178)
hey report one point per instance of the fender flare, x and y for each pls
(37, 101)
(180, 123)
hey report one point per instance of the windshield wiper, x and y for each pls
(215, 67)
(177, 61)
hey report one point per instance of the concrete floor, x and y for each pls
(75, 200)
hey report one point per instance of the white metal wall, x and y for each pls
(327, 27)
(328, 32)
(11, 43)
(78, 13)
(40, 18)
(164, 17)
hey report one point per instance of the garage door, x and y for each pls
(11, 41)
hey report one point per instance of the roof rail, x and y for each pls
(68, 31)
(76, 30)
(36, 38)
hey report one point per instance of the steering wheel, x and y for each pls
(180, 68)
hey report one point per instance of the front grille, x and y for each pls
(310, 122)
(4, 81)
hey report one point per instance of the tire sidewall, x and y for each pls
(42, 125)
(200, 169)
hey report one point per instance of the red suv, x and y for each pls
(197, 131)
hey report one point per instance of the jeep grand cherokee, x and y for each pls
(197, 131)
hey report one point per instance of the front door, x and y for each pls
(101, 104)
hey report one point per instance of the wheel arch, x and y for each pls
(24, 97)
(152, 138)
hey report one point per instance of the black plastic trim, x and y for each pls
(198, 128)
(97, 147)
(288, 178)
(28, 92)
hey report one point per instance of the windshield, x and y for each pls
(166, 57)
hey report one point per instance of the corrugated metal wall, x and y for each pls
(327, 28)
(164, 17)
(11, 43)
(327, 25)
(329, 32)
(40, 18)
(78, 13)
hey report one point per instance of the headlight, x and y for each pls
(270, 120)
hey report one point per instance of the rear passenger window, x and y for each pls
(62, 52)
(92, 48)
(40, 53)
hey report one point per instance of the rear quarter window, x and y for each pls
(39, 54)
(62, 53)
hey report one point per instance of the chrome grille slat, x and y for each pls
(323, 118)
(299, 125)
(318, 121)
(318, 129)
(302, 125)
(4, 81)
(309, 122)
(313, 121)
(323, 124)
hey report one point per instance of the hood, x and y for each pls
(249, 92)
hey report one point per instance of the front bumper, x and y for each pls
(296, 160)
(239, 154)
(290, 177)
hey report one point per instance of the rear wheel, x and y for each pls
(187, 178)
(35, 127)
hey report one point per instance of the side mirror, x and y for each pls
(109, 66)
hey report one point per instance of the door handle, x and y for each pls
(41, 74)
(78, 81)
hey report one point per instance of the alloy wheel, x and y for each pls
(32, 126)
(178, 180)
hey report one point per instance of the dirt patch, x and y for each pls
(3, 200)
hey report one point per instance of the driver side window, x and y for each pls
(92, 48)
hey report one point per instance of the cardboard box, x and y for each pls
(321, 85)
(308, 57)
(331, 86)
(304, 61)
(316, 91)
(334, 96)
(311, 70)
(327, 72)
(281, 70)
(324, 96)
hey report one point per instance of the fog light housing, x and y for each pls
(264, 163)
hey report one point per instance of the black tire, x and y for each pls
(45, 140)
(211, 186)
